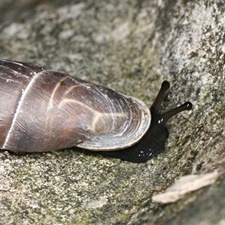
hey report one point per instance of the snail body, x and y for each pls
(44, 110)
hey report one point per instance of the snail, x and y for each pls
(44, 111)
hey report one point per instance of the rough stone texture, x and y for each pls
(130, 46)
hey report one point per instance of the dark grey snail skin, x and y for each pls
(43, 110)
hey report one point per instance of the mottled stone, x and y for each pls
(130, 46)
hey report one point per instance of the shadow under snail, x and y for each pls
(44, 111)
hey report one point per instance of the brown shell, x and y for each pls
(44, 110)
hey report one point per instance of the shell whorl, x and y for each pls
(45, 111)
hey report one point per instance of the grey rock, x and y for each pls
(130, 46)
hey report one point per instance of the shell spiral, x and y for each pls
(43, 110)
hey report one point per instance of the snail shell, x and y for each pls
(43, 110)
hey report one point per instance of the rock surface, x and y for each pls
(130, 46)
